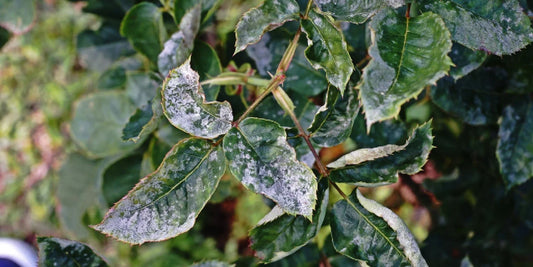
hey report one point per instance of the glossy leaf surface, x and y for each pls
(499, 27)
(167, 202)
(179, 47)
(515, 144)
(143, 26)
(185, 107)
(363, 229)
(334, 120)
(355, 11)
(378, 166)
(279, 234)
(260, 157)
(143, 121)
(327, 49)
(407, 54)
(266, 17)
(61, 252)
(205, 61)
(98, 122)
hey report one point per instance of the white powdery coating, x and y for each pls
(166, 203)
(365, 154)
(404, 236)
(395, 3)
(290, 183)
(185, 105)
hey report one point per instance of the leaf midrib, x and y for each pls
(402, 54)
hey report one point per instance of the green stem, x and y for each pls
(308, 8)
(289, 53)
(236, 78)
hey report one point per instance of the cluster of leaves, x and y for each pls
(173, 125)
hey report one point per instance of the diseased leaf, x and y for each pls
(266, 17)
(99, 49)
(78, 189)
(279, 234)
(260, 157)
(364, 230)
(205, 61)
(180, 45)
(497, 26)
(66, 253)
(143, 26)
(301, 77)
(515, 144)
(98, 122)
(473, 98)
(185, 107)
(17, 16)
(407, 54)
(355, 11)
(120, 177)
(327, 49)
(303, 153)
(334, 120)
(380, 165)
(465, 59)
(167, 202)
(270, 109)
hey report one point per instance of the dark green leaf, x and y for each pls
(167, 202)
(180, 45)
(112, 78)
(334, 121)
(364, 230)
(17, 16)
(380, 165)
(465, 59)
(120, 177)
(143, 121)
(185, 107)
(98, 122)
(115, 9)
(78, 189)
(99, 49)
(266, 17)
(270, 109)
(66, 253)
(204, 60)
(473, 98)
(143, 26)
(515, 144)
(308, 256)
(260, 157)
(327, 49)
(278, 234)
(381, 133)
(4, 37)
(497, 26)
(301, 77)
(355, 11)
(407, 54)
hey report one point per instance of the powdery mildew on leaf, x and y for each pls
(260, 157)
(407, 54)
(333, 122)
(266, 17)
(384, 163)
(500, 27)
(515, 144)
(364, 230)
(180, 45)
(355, 11)
(365, 154)
(185, 107)
(408, 243)
(212, 264)
(167, 202)
(327, 49)
(61, 252)
(278, 234)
